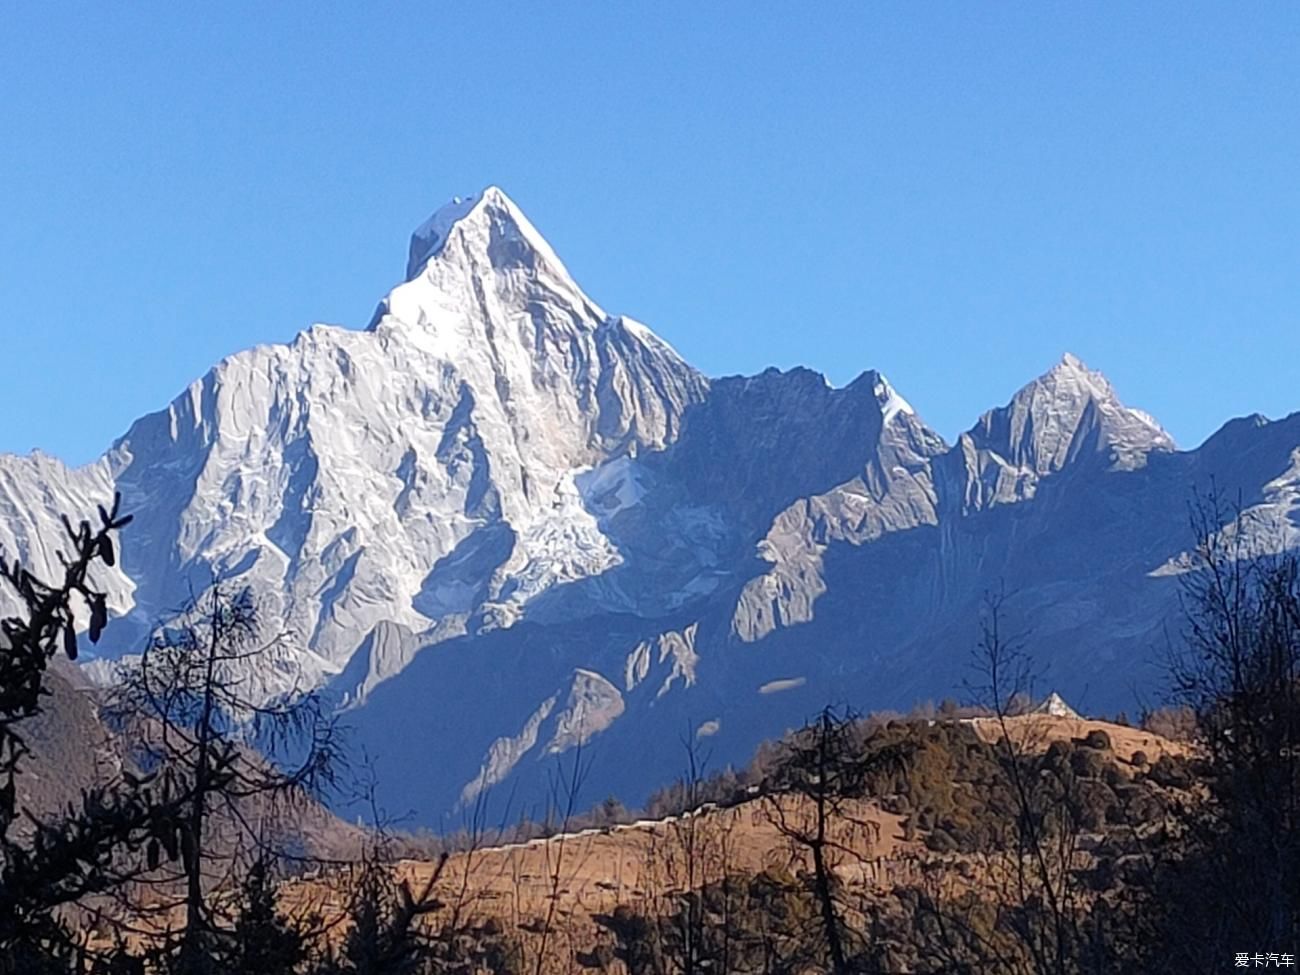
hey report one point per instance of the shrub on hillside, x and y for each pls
(1174, 723)
(1097, 738)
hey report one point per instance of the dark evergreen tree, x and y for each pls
(262, 940)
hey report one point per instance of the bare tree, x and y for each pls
(239, 762)
(686, 863)
(1030, 908)
(1237, 667)
(826, 767)
(687, 853)
(565, 787)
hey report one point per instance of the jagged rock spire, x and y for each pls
(1067, 412)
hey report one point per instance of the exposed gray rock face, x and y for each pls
(1069, 412)
(34, 492)
(889, 489)
(509, 530)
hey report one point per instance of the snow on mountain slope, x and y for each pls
(422, 473)
(34, 492)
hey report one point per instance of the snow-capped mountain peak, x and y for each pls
(1068, 412)
(485, 290)
(1073, 373)
(491, 223)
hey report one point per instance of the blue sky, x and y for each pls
(954, 193)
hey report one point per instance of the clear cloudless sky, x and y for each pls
(955, 194)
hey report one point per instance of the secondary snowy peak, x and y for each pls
(868, 476)
(1068, 412)
(891, 404)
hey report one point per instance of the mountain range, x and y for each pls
(509, 531)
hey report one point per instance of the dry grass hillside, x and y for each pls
(558, 896)
(1038, 731)
(594, 871)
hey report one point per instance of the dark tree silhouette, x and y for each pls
(45, 866)
(242, 764)
(1237, 668)
(261, 939)
(826, 765)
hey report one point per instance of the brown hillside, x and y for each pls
(588, 875)
(1035, 732)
